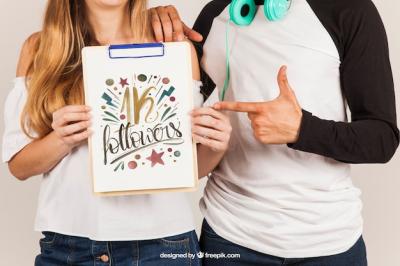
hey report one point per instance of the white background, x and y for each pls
(19, 244)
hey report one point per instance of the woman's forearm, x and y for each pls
(207, 159)
(38, 157)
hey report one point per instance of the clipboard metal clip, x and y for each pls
(123, 51)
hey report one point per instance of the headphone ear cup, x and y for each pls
(276, 9)
(242, 12)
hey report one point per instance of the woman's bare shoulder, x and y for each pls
(195, 61)
(26, 54)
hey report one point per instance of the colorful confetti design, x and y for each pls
(146, 102)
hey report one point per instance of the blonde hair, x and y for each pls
(55, 73)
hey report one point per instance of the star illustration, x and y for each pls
(156, 158)
(123, 82)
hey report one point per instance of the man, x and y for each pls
(283, 194)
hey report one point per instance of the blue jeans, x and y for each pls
(212, 243)
(60, 250)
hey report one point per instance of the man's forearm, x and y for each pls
(358, 142)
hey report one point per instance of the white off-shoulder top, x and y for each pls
(67, 204)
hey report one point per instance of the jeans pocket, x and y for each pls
(48, 238)
(181, 240)
(175, 250)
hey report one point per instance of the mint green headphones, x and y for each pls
(242, 12)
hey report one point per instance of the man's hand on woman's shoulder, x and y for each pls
(168, 26)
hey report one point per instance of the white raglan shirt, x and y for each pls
(294, 202)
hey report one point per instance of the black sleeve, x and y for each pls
(203, 25)
(208, 86)
(372, 135)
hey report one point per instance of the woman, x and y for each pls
(50, 139)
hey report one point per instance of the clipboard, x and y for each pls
(141, 96)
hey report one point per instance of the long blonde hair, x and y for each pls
(55, 73)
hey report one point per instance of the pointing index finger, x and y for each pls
(242, 107)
